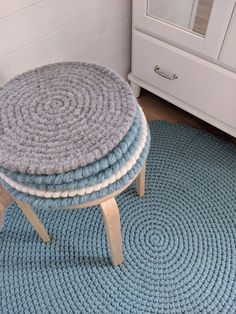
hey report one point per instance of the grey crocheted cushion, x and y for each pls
(63, 116)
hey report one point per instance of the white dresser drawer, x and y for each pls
(201, 85)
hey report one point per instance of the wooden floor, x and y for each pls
(156, 108)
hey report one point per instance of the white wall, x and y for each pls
(37, 32)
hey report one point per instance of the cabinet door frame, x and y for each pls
(227, 56)
(208, 46)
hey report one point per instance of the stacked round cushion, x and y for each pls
(70, 133)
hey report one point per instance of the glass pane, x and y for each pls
(193, 15)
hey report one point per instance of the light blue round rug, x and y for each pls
(179, 241)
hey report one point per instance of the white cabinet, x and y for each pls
(189, 62)
(228, 53)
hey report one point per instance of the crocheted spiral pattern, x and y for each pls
(63, 116)
(128, 144)
(179, 241)
(121, 168)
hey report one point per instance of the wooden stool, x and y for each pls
(109, 207)
(73, 136)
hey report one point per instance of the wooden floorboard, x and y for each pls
(156, 108)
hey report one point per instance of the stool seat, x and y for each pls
(72, 135)
(62, 116)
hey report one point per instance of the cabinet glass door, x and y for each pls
(192, 15)
(196, 25)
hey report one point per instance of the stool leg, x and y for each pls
(5, 201)
(34, 220)
(111, 218)
(140, 181)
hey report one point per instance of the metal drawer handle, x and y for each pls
(171, 77)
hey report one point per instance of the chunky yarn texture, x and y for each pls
(113, 178)
(84, 104)
(62, 116)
